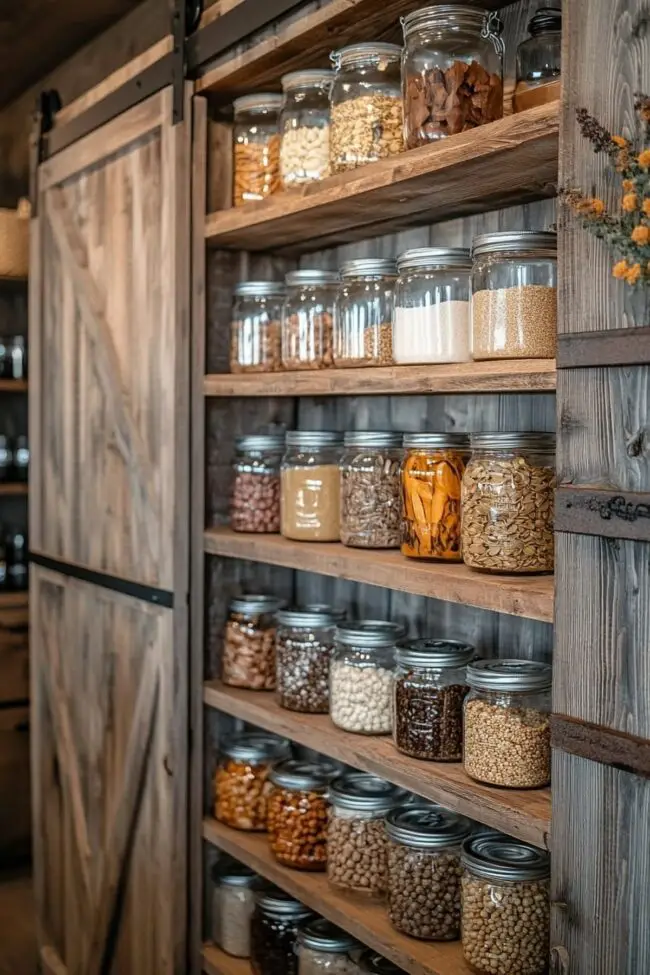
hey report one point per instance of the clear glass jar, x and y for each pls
(307, 319)
(256, 147)
(298, 813)
(432, 472)
(507, 500)
(322, 947)
(432, 309)
(274, 927)
(452, 71)
(363, 313)
(255, 495)
(514, 295)
(310, 489)
(371, 502)
(505, 906)
(424, 869)
(539, 61)
(366, 105)
(506, 719)
(305, 640)
(430, 685)
(371, 963)
(241, 780)
(233, 902)
(357, 860)
(255, 326)
(361, 676)
(248, 658)
(305, 127)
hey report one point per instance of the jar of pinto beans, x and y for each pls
(255, 498)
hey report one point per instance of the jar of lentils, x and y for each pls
(256, 148)
(322, 947)
(305, 639)
(310, 489)
(430, 685)
(507, 732)
(363, 313)
(255, 326)
(305, 127)
(424, 870)
(432, 472)
(507, 501)
(233, 902)
(255, 497)
(274, 929)
(307, 319)
(298, 813)
(249, 642)
(361, 676)
(371, 509)
(505, 906)
(241, 780)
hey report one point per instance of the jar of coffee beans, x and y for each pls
(274, 927)
(249, 643)
(255, 498)
(424, 870)
(356, 838)
(298, 813)
(241, 780)
(233, 902)
(429, 688)
(305, 638)
(361, 676)
(322, 947)
(505, 906)
(507, 731)
(371, 504)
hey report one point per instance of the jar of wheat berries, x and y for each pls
(305, 127)
(363, 313)
(256, 147)
(241, 781)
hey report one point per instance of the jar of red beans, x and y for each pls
(255, 499)
(298, 813)
(242, 784)
(249, 642)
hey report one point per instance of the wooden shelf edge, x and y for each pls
(217, 962)
(13, 490)
(13, 600)
(13, 385)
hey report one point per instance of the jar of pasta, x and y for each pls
(304, 644)
(255, 326)
(371, 502)
(363, 313)
(361, 676)
(310, 489)
(305, 127)
(241, 780)
(256, 150)
(249, 642)
(307, 319)
(324, 949)
(274, 929)
(432, 471)
(298, 813)
(255, 496)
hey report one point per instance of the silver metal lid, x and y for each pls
(358, 790)
(278, 902)
(517, 241)
(254, 604)
(369, 267)
(265, 100)
(376, 964)
(260, 442)
(260, 289)
(443, 13)
(304, 776)
(543, 442)
(372, 438)
(369, 634)
(313, 276)
(235, 875)
(426, 825)
(446, 441)
(311, 77)
(314, 438)
(255, 746)
(434, 654)
(322, 935)
(503, 858)
(367, 51)
(418, 258)
(509, 675)
(314, 615)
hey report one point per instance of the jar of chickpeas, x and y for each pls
(241, 781)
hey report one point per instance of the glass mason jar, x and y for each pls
(255, 496)
(366, 105)
(505, 906)
(363, 313)
(430, 685)
(507, 500)
(361, 676)
(432, 471)
(424, 869)
(304, 645)
(432, 309)
(255, 326)
(371, 963)
(298, 813)
(323, 947)
(310, 489)
(305, 127)
(452, 71)
(514, 295)
(241, 780)
(274, 927)
(539, 61)
(356, 839)
(256, 147)
(371, 503)
(233, 902)
(249, 642)
(506, 717)
(307, 319)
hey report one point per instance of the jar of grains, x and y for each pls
(371, 963)
(514, 295)
(507, 732)
(432, 306)
(304, 645)
(249, 643)
(298, 812)
(505, 906)
(452, 73)
(363, 313)
(539, 60)
(322, 947)
(307, 319)
(241, 780)
(274, 927)
(366, 105)
(432, 472)
(305, 127)
(424, 870)
(255, 497)
(256, 138)
(255, 326)
(310, 494)
(233, 902)
(361, 676)
(430, 685)
(507, 500)
(371, 503)
(356, 838)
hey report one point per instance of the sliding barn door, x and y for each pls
(108, 530)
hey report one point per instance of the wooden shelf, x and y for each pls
(527, 596)
(511, 161)
(13, 600)
(12, 490)
(217, 962)
(13, 385)
(367, 922)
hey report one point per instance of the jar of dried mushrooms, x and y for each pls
(255, 326)
(307, 319)
(256, 147)
(310, 489)
(371, 510)
(363, 313)
(432, 471)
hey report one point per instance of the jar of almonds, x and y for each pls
(256, 147)
(298, 813)
(241, 780)
(305, 127)
(249, 642)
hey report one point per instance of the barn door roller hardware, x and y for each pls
(47, 105)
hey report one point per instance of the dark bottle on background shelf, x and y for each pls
(16, 561)
(21, 459)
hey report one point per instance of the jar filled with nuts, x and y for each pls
(366, 105)
(430, 685)
(255, 326)
(507, 732)
(233, 902)
(372, 963)
(356, 839)
(505, 906)
(255, 497)
(305, 127)
(371, 509)
(305, 639)
(363, 313)
(307, 319)
(298, 813)
(241, 780)
(507, 501)
(256, 147)
(249, 642)
(361, 676)
(424, 870)
(323, 947)
(274, 928)
(310, 488)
